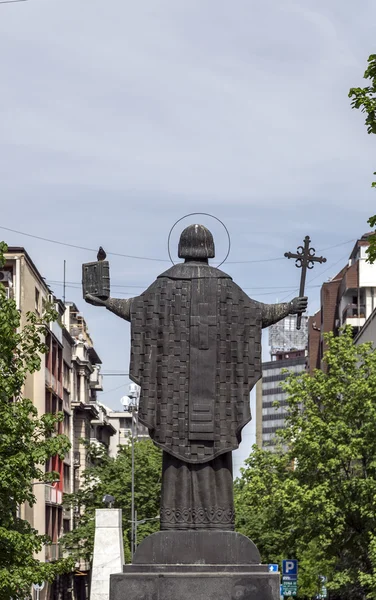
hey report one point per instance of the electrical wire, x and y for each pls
(261, 260)
(112, 389)
(38, 237)
(115, 375)
(77, 285)
(319, 275)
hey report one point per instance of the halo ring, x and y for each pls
(206, 215)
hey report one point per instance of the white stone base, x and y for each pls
(108, 555)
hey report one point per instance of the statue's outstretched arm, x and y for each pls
(272, 313)
(120, 306)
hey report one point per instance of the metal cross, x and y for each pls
(304, 259)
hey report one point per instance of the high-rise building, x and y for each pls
(287, 351)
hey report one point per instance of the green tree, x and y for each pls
(113, 476)
(364, 99)
(316, 500)
(26, 442)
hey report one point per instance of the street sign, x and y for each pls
(273, 568)
(290, 588)
(290, 567)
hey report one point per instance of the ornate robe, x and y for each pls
(196, 353)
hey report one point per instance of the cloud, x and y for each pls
(120, 117)
(216, 104)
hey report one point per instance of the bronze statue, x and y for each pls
(196, 353)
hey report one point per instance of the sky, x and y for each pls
(120, 117)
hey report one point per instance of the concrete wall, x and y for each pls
(367, 274)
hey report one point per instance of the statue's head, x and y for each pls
(196, 243)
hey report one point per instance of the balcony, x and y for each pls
(52, 495)
(53, 384)
(50, 380)
(96, 381)
(354, 315)
(53, 552)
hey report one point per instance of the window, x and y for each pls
(66, 525)
(37, 299)
(66, 479)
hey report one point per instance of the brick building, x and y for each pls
(347, 299)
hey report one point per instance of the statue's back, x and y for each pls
(196, 355)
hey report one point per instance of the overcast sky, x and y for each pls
(119, 117)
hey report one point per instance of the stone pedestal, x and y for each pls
(196, 565)
(108, 554)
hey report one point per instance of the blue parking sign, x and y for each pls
(290, 568)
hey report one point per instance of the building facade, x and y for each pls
(287, 351)
(122, 424)
(26, 286)
(68, 382)
(347, 299)
(89, 418)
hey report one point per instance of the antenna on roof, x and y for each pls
(65, 262)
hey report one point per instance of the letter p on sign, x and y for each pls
(290, 567)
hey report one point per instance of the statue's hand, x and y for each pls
(299, 305)
(94, 300)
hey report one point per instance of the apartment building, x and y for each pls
(88, 417)
(122, 423)
(27, 287)
(68, 382)
(347, 299)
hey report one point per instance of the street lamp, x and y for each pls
(130, 404)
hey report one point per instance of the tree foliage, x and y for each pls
(26, 442)
(364, 99)
(112, 476)
(316, 501)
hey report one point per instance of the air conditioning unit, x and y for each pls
(5, 276)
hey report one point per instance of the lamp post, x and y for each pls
(130, 404)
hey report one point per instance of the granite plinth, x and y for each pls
(197, 547)
(196, 565)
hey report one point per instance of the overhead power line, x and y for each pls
(280, 289)
(77, 285)
(319, 275)
(115, 374)
(38, 237)
(238, 262)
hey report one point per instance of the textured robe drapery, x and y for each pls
(195, 352)
(197, 496)
(196, 345)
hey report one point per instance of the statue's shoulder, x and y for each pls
(193, 271)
